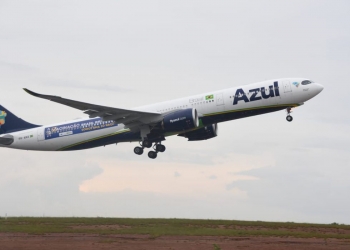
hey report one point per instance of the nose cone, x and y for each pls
(318, 88)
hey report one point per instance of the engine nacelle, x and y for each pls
(181, 120)
(204, 133)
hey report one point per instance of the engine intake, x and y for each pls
(181, 120)
(204, 133)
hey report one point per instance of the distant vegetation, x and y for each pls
(159, 227)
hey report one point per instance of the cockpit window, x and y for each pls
(306, 82)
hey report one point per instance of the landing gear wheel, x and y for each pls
(152, 154)
(160, 148)
(138, 150)
(289, 118)
(147, 144)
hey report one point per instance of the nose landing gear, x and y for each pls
(289, 117)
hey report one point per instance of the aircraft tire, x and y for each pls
(289, 118)
(138, 150)
(160, 148)
(152, 154)
(147, 144)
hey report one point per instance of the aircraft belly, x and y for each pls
(69, 141)
(123, 135)
(28, 140)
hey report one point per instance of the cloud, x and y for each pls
(131, 55)
(301, 185)
(79, 85)
(176, 174)
(17, 66)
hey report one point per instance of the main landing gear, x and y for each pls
(152, 154)
(289, 117)
(138, 150)
(147, 144)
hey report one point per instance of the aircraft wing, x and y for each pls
(130, 118)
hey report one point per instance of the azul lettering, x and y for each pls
(255, 94)
(271, 93)
(239, 96)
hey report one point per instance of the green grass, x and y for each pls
(216, 247)
(158, 227)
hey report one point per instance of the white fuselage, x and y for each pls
(217, 106)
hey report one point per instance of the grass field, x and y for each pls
(160, 227)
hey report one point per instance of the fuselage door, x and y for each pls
(220, 99)
(41, 135)
(286, 86)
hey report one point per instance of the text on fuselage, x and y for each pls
(177, 119)
(255, 94)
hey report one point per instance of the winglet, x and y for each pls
(31, 92)
(48, 97)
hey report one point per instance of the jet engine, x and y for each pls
(204, 133)
(180, 120)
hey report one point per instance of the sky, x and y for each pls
(131, 53)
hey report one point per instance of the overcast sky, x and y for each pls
(132, 53)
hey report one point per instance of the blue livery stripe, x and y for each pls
(77, 128)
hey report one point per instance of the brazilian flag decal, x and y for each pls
(209, 97)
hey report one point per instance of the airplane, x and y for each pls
(195, 118)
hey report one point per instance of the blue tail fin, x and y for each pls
(11, 123)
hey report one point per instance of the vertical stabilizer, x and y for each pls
(11, 123)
